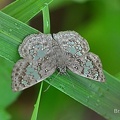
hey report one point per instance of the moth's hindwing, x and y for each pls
(88, 65)
(27, 73)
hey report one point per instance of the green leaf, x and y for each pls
(36, 106)
(12, 33)
(23, 10)
(100, 97)
(46, 20)
(7, 96)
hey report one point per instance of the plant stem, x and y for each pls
(46, 20)
(36, 106)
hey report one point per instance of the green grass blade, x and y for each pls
(36, 106)
(46, 27)
(100, 97)
(25, 10)
(7, 96)
(46, 20)
(12, 32)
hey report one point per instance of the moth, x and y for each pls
(42, 54)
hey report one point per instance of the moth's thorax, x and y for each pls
(61, 60)
(61, 69)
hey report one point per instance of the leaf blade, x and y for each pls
(25, 10)
(103, 97)
(12, 29)
(7, 95)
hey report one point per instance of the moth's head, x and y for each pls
(62, 69)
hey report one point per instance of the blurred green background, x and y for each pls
(96, 20)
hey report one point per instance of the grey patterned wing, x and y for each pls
(35, 46)
(27, 73)
(72, 42)
(88, 65)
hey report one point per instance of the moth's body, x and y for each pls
(43, 53)
(60, 58)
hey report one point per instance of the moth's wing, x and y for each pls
(35, 46)
(27, 73)
(72, 42)
(88, 65)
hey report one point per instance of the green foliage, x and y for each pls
(6, 94)
(11, 35)
(103, 98)
(24, 11)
